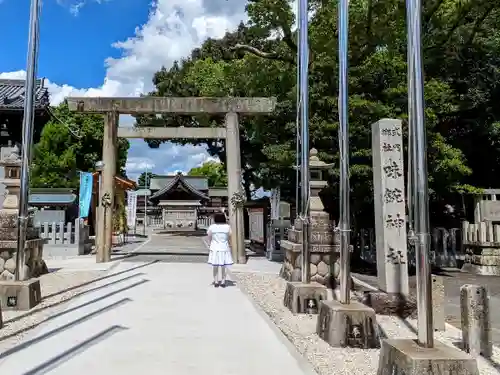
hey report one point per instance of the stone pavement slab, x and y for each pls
(171, 244)
(166, 319)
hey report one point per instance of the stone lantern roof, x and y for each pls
(11, 160)
(317, 182)
(316, 163)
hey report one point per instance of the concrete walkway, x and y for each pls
(156, 318)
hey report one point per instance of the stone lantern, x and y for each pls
(317, 168)
(25, 293)
(324, 244)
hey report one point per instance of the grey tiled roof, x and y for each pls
(12, 94)
(179, 179)
(198, 182)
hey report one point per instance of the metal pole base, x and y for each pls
(302, 298)
(348, 325)
(405, 356)
(19, 295)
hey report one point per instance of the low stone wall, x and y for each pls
(482, 261)
(481, 242)
(35, 265)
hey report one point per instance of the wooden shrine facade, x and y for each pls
(181, 200)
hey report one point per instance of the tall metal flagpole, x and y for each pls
(27, 138)
(146, 200)
(297, 123)
(420, 193)
(410, 83)
(304, 120)
(344, 225)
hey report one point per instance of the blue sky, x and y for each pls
(113, 48)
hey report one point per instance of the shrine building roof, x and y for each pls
(12, 95)
(197, 182)
(185, 182)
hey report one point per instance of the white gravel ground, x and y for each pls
(57, 288)
(267, 290)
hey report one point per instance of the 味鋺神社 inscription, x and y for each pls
(394, 222)
(395, 256)
(390, 210)
(393, 195)
(392, 169)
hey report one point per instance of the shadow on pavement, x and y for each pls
(52, 317)
(229, 283)
(100, 278)
(63, 328)
(73, 351)
(38, 309)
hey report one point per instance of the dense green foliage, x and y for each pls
(214, 171)
(461, 50)
(70, 142)
(144, 179)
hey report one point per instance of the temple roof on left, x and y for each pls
(12, 94)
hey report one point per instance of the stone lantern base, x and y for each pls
(26, 293)
(323, 249)
(22, 294)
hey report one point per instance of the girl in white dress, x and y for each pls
(219, 238)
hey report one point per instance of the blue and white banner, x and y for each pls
(86, 182)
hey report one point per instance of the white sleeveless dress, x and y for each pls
(220, 250)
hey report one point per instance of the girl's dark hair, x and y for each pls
(220, 218)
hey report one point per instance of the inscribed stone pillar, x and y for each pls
(233, 163)
(390, 209)
(109, 151)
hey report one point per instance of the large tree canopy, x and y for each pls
(214, 171)
(461, 50)
(70, 143)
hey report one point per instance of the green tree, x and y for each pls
(70, 142)
(461, 51)
(214, 171)
(144, 180)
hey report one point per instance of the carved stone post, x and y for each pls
(389, 201)
(476, 329)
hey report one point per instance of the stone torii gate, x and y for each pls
(113, 107)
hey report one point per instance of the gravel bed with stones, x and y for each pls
(267, 291)
(57, 288)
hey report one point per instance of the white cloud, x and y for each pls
(75, 6)
(169, 158)
(173, 29)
